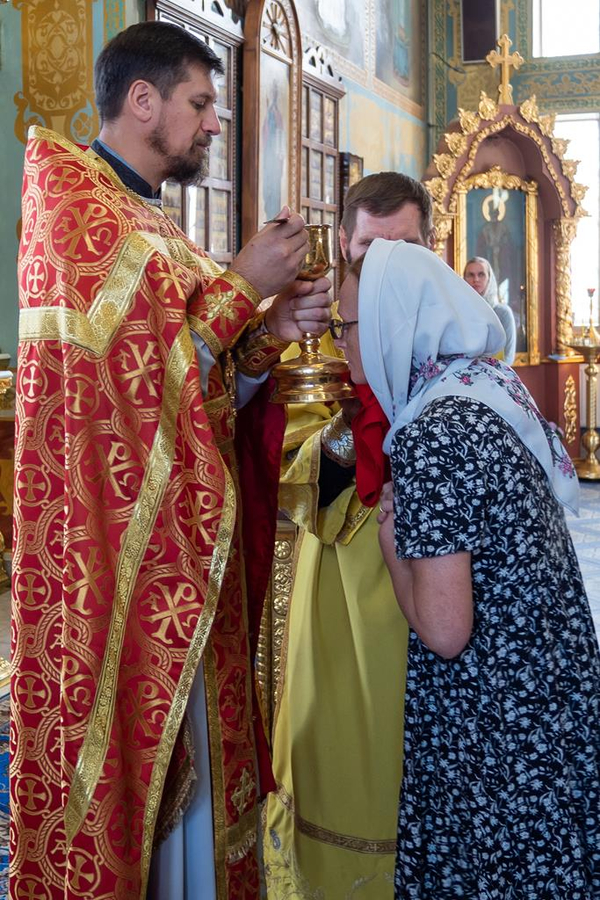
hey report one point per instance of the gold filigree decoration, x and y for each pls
(529, 109)
(569, 167)
(570, 410)
(437, 187)
(488, 108)
(546, 124)
(559, 146)
(244, 791)
(494, 128)
(285, 557)
(564, 232)
(469, 121)
(337, 441)
(270, 652)
(578, 191)
(444, 163)
(443, 227)
(496, 177)
(457, 143)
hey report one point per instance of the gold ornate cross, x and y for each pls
(505, 60)
(243, 791)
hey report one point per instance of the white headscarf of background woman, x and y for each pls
(490, 294)
(424, 334)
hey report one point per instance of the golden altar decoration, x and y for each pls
(588, 467)
(506, 155)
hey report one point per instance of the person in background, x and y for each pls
(143, 430)
(480, 275)
(500, 794)
(338, 726)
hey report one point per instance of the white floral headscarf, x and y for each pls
(424, 333)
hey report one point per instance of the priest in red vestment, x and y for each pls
(138, 582)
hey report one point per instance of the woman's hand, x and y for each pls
(386, 503)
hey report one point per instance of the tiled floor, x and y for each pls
(585, 531)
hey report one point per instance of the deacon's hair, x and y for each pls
(383, 194)
(157, 52)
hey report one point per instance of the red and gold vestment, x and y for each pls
(128, 564)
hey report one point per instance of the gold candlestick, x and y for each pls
(312, 377)
(588, 468)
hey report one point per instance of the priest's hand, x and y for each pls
(305, 306)
(272, 258)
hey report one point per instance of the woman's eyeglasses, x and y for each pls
(337, 326)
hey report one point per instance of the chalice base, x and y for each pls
(312, 378)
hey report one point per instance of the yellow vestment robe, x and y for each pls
(331, 826)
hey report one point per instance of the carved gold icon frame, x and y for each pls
(496, 217)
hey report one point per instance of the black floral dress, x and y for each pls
(500, 796)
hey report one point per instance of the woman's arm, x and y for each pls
(435, 594)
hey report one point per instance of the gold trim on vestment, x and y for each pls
(91, 159)
(242, 286)
(179, 251)
(335, 838)
(293, 441)
(181, 791)
(216, 767)
(198, 644)
(242, 835)
(230, 842)
(300, 502)
(133, 548)
(280, 666)
(352, 523)
(258, 348)
(94, 330)
(337, 441)
(217, 405)
(205, 332)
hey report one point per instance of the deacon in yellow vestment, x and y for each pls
(331, 826)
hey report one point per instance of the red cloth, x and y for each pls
(369, 428)
(259, 436)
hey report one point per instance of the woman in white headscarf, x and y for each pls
(500, 795)
(480, 275)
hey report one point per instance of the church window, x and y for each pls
(321, 93)
(558, 33)
(207, 212)
(583, 133)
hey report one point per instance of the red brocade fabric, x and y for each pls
(128, 564)
(369, 428)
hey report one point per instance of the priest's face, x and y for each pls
(348, 311)
(405, 224)
(186, 126)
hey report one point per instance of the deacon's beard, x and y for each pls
(185, 170)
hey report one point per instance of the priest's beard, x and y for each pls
(189, 168)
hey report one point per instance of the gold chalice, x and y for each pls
(312, 377)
